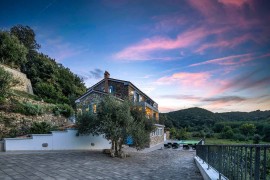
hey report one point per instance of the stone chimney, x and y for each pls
(106, 85)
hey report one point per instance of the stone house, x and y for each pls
(122, 90)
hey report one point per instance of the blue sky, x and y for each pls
(213, 54)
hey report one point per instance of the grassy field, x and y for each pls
(216, 141)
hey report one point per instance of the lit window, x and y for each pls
(94, 108)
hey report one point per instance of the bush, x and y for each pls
(63, 109)
(27, 108)
(247, 129)
(256, 139)
(227, 133)
(239, 137)
(266, 131)
(199, 134)
(41, 128)
(86, 123)
(209, 134)
(6, 82)
(17, 131)
(218, 127)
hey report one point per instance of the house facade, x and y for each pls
(122, 90)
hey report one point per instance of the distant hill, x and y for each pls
(189, 117)
(244, 116)
(192, 117)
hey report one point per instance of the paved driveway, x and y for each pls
(159, 164)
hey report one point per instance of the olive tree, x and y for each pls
(115, 122)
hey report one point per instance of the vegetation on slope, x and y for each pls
(51, 81)
(197, 122)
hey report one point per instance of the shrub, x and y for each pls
(6, 82)
(199, 134)
(209, 134)
(266, 131)
(256, 138)
(13, 133)
(239, 137)
(227, 133)
(218, 127)
(247, 129)
(63, 109)
(27, 108)
(41, 128)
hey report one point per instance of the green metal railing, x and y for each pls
(237, 161)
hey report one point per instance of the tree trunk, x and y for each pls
(116, 148)
(112, 145)
(120, 144)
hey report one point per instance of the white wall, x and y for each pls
(58, 140)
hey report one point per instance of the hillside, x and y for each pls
(244, 116)
(189, 117)
(21, 110)
(192, 117)
(35, 90)
(50, 80)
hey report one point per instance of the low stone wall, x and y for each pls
(154, 140)
(58, 140)
(157, 137)
(24, 83)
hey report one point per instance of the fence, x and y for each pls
(237, 161)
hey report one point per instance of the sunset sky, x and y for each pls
(213, 54)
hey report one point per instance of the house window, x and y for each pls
(111, 90)
(137, 98)
(140, 98)
(157, 132)
(94, 108)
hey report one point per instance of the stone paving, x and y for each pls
(67, 165)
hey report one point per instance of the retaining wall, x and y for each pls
(58, 140)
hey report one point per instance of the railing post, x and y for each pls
(208, 158)
(257, 163)
(264, 163)
(220, 161)
(236, 161)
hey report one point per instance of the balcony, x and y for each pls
(145, 104)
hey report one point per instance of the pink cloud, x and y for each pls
(235, 14)
(225, 43)
(208, 8)
(234, 2)
(186, 79)
(245, 82)
(165, 109)
(245, 104)
(143, 49)
(232, 60)
(229, 60)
